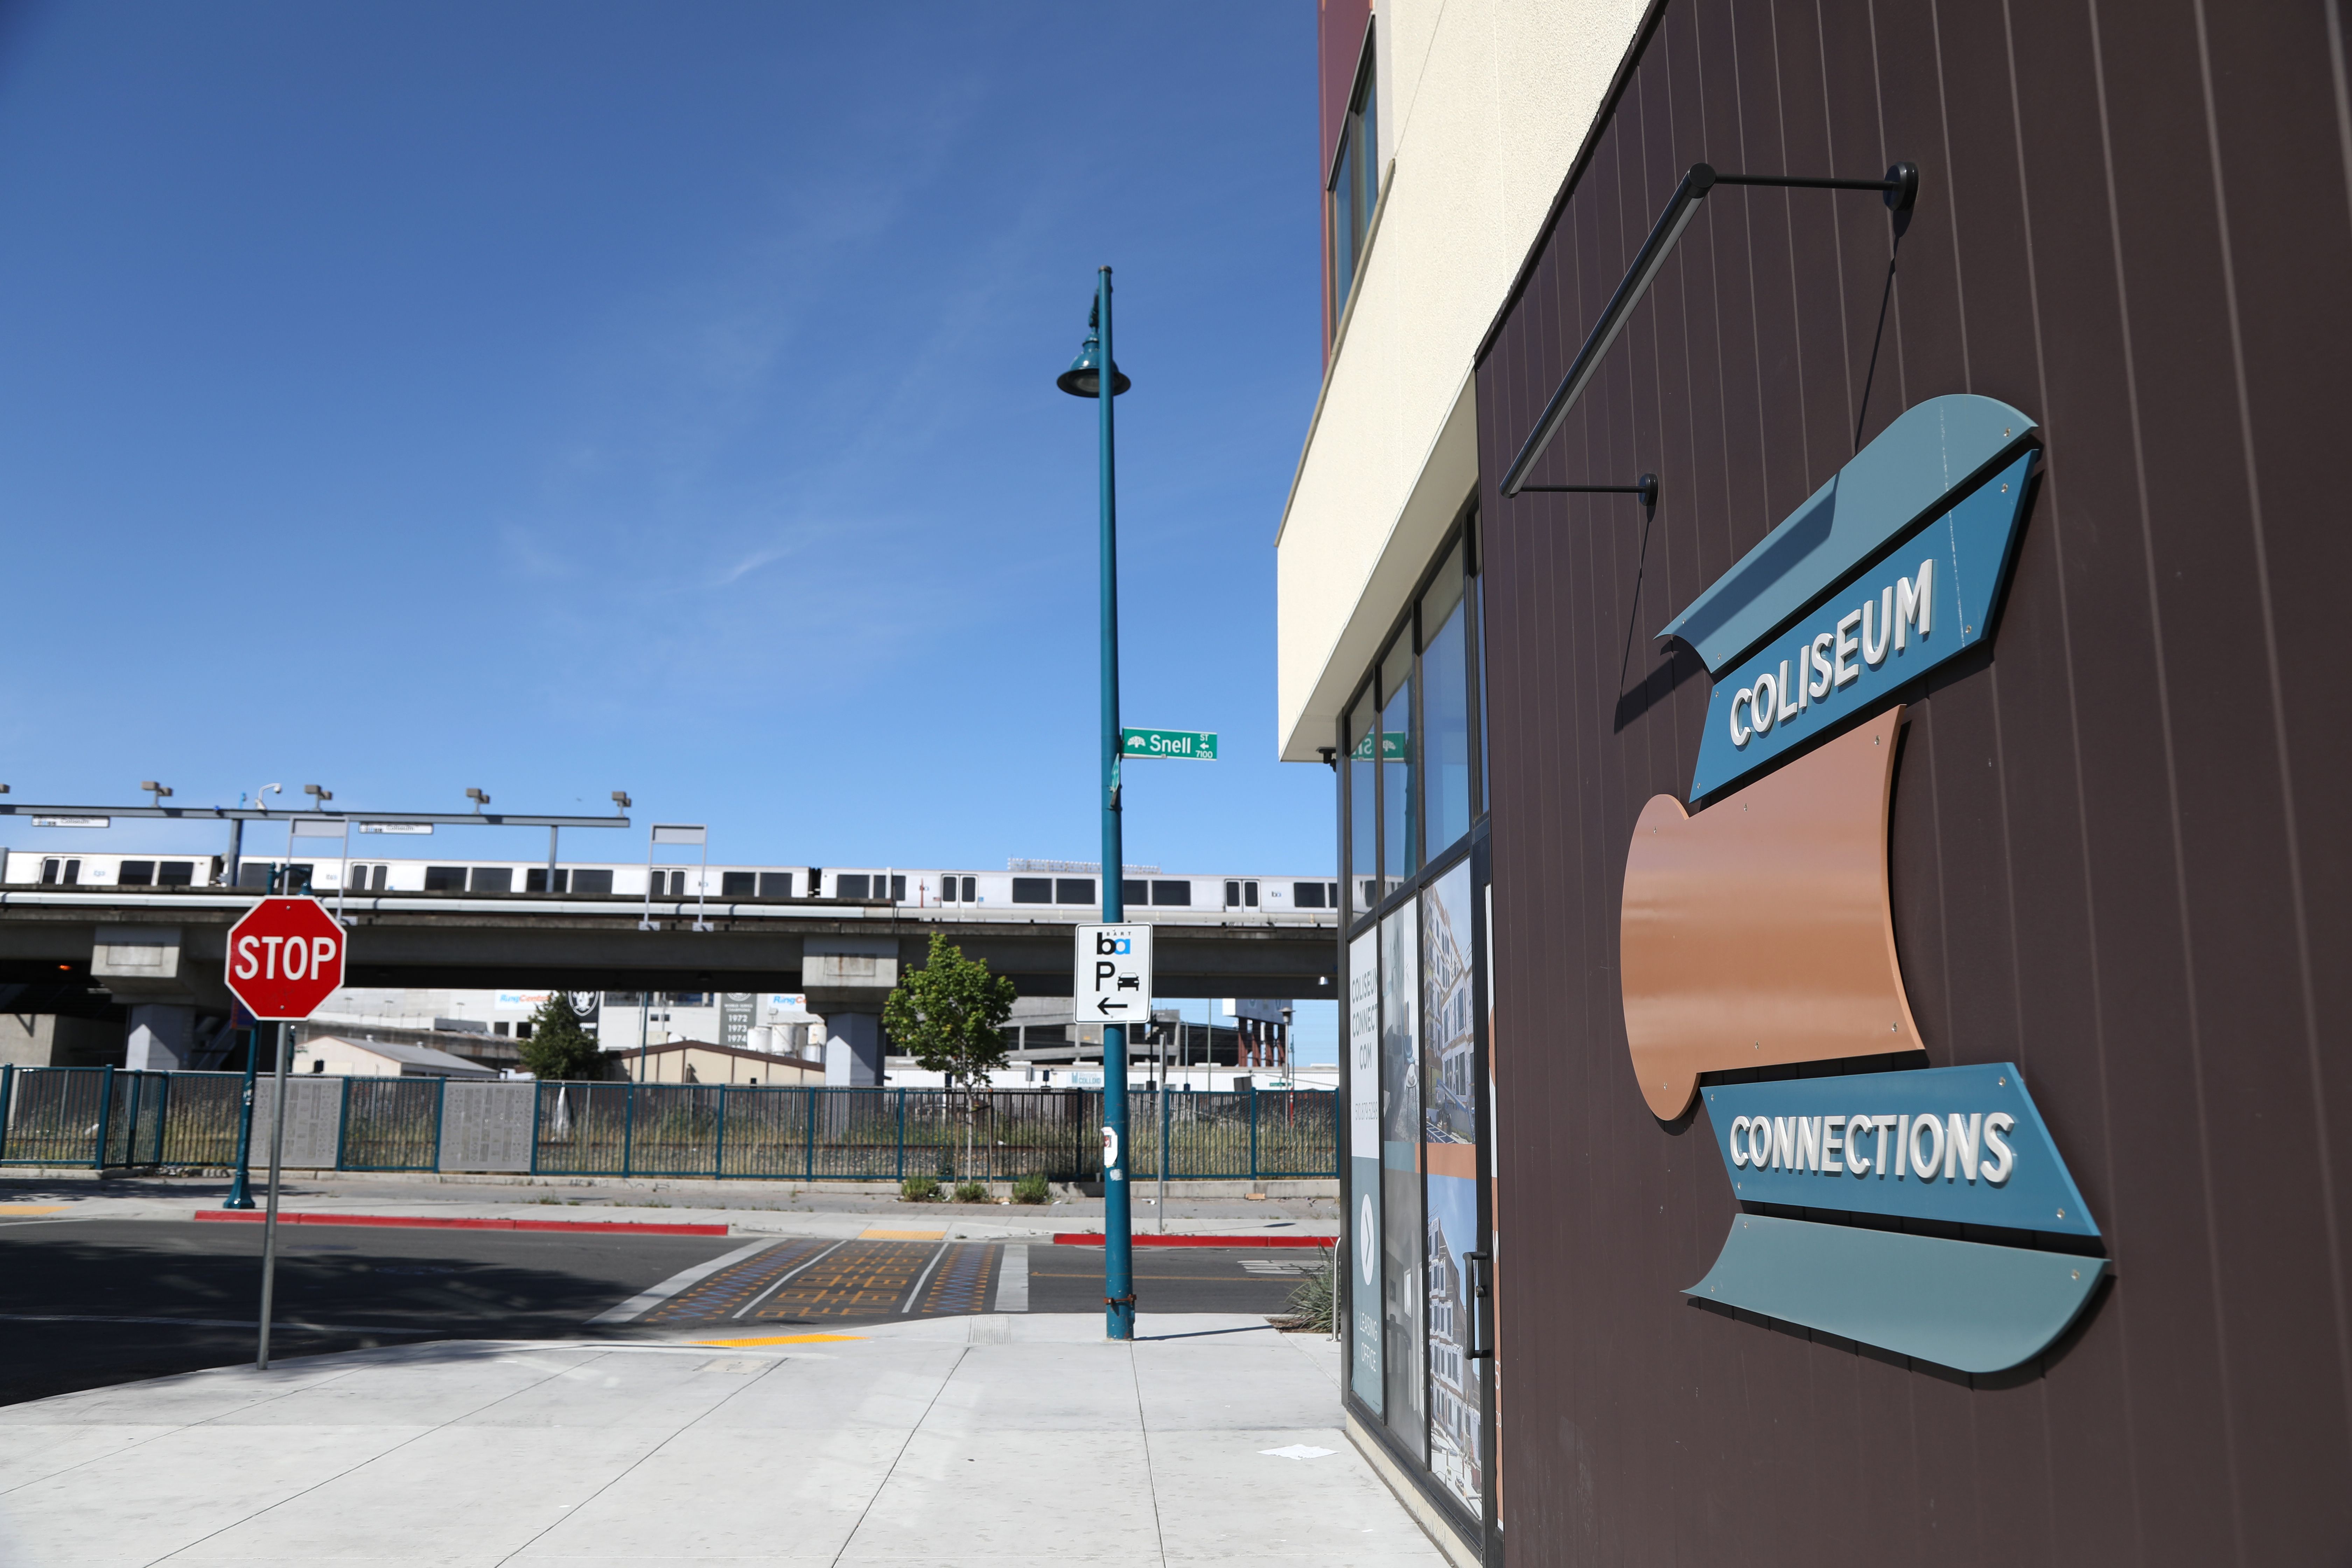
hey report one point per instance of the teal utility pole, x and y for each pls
(1084, 379)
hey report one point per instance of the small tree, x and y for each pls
(559, 1047)
(949, 1016)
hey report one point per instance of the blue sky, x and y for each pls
(559, 399)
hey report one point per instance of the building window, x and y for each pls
(1400, 821)
(444, 879)
(1179, 893)
(175, 874)
(1067, 889)
(1445, 751)
(135, 874)
(493, 879)
(1033, 889)
(1354, 188)
(775, 884)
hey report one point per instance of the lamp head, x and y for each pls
(324, 794)
(1084, 378)
(479, 797)
(621, 798)
(161, 792)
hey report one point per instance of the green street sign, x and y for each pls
(1191, 745)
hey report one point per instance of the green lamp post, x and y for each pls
(1084, 379)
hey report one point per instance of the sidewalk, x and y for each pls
(980, 1441)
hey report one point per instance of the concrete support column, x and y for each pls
(163, 1036)
(853, 1049)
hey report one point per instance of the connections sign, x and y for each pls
(1757, 933)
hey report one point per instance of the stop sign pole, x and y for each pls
(285, 957)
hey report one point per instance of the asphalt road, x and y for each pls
(90, 1302)
(84, 1303)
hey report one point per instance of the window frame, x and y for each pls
(1356, 156)
(1355, 915)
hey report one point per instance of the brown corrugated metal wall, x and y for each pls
(2118, 857)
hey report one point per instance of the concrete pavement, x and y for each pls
(977, 1440)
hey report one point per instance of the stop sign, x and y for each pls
(284, 958)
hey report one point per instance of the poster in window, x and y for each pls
(1364, 1330)
(1449, 1036)
(1400, 1218)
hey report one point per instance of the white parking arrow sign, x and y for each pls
(1112, 984)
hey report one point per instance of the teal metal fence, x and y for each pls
(103, 1117)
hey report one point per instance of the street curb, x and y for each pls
(422, 1222)
(1094, 1239)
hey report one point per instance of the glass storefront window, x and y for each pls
(1363, 814)
(1419, 1146)
(1445, 748)
(1401, 1222)
(1365, 1333)
(1400, 818)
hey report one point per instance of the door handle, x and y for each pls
(1479, 1288)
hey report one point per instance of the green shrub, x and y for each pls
(920, 1190)
(1032, 1190)
(970, 1193)
(1312, 1304)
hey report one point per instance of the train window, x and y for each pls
(775, 884)
(1249, 894)
(444, 879)
(493, 879)
(1067, 889)
(1332, 888)
(175, 874)
(1033, 889)
(897, 889)
(582, 881)
(63, 873)
(738, 884)
(535, 882)
(135, 874)
(298, 879)
(1133, 891)
(256, 874)
(848, 886)
(1232, 895)
(1171, 892)
(1307, 895)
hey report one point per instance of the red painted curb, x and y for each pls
(408, 1222)
(1085, 1238)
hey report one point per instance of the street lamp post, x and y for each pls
(1084, 379)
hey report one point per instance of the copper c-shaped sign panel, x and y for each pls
(1759, 931)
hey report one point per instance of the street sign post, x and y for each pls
(1112, 984)
(285, 957)
(1188, 745)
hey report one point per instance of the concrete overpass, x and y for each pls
(161, 951)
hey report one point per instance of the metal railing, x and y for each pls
(110, 1117)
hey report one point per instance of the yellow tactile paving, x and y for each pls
(902, 1236)
(780, 1340)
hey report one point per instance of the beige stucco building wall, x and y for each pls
(1482, 105)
